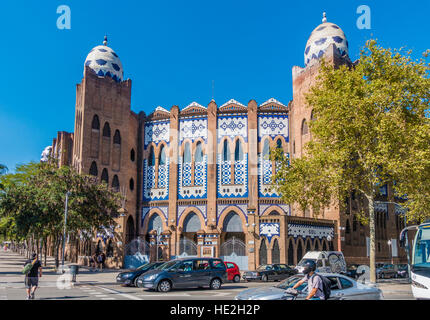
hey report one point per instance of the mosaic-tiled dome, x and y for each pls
(105, 62)
(322, 37)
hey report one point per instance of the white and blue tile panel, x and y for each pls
(147, 209)
(265, 188)
(157, 131)
(221, 208)
(193, 129)
(263, 207)
(186, 190)
(232, 189)
(272, 125)
(199, 210)
(150, 190)
(232, 126)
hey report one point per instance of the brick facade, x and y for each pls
(200, 176)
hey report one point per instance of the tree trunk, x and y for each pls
(46, 249)
(372, 239)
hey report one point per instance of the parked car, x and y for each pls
(233, 272)
(402, 270)
(129, 278)
(326, 261)
(269, 272)
(185, 273)
(386, 271)
(351, 271)
(342, 288)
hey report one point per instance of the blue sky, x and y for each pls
(172, 51)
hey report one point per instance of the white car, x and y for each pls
(342, 288)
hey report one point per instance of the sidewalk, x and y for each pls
(11, 265)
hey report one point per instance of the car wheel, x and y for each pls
(264, 278)
(236, 279)
(215, 284)
(164, 286)
(135, 282)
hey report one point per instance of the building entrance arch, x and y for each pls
(187, 245)
(233, 247)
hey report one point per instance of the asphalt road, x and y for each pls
(101, 286)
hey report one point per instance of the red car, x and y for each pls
(233, 272)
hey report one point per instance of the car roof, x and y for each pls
(194, 258)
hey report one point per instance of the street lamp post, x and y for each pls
(391, 250)
(157, 239)
(64, 230)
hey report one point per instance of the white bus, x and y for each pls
(420, 264)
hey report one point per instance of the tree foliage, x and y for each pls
(370, 128)
(32, 203)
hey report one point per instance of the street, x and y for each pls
(96, 285)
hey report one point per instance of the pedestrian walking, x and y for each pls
(32, 271)
(101, 260)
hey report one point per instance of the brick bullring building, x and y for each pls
(197, 179)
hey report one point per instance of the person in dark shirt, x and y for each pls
(32, 278)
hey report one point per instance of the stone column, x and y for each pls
(173, 174)
(211, 150)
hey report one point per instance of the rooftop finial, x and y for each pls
(324, 20)
(105, 41)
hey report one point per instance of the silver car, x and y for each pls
(342, 288)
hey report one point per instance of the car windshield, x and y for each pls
(421, 255)
(290, 282)
(168, 265)
(145, 266)
(264, 268)
(304, 261)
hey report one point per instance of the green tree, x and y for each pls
(370, 129)
(32, 204)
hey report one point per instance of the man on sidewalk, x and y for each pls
(32, 277)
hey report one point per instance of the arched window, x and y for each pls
(238, 152)
(299, 251)
(198, 155)
(132, 155)
(131, 184)
(263, 252)
(187, 153)
(324, 246)
(155, 223)
(226, 151)
(93, 169)
(106, 130)
(117, 137)
(96, 123)
(151, 159)
(105, 176)
(115, 183)
(308, 246)
(312, 115)
(162, 156)
(291, 253)
(276, 257)
(232, 223)
(266, 150)
(192, 223)
(279, 144)
(305, 129)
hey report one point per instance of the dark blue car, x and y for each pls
(185, 273)
(129, 278)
